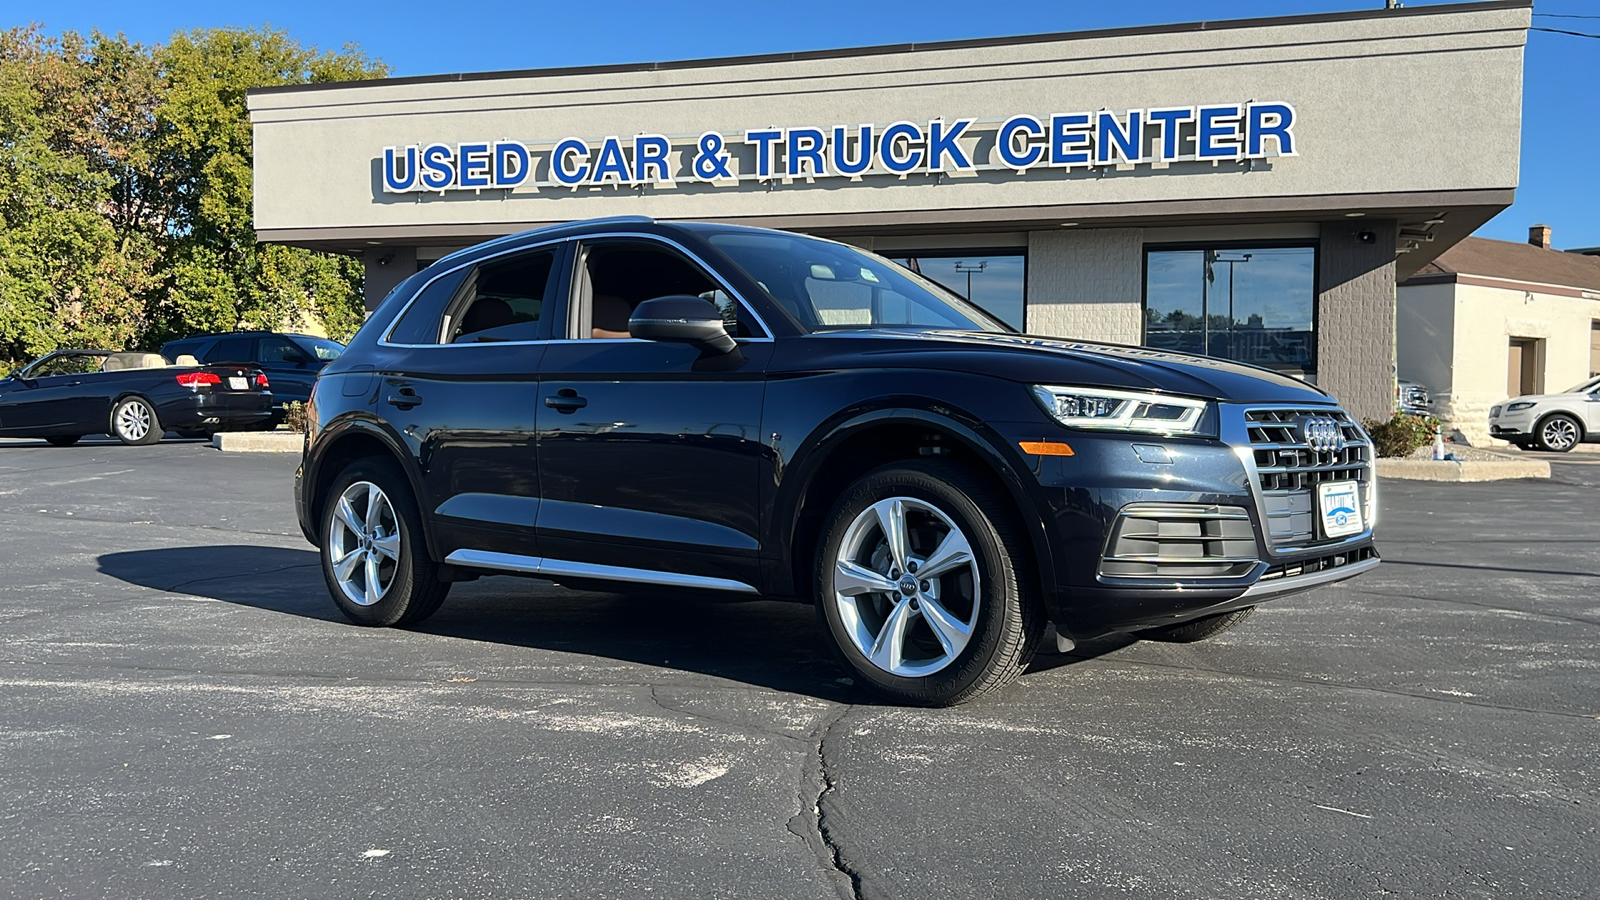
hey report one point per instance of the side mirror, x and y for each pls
(684, 319)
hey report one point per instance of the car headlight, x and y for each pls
(1519, 405)
(1108, 410)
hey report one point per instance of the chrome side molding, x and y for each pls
(556, 568)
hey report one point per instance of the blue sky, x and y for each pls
(1560, 149)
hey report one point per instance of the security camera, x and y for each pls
(1367, 237)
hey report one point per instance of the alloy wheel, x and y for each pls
(364, 543)
(133, 421)
(906, 587)
(1559, 433)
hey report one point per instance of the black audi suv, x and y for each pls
(682, 406)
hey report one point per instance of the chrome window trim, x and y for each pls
(545, 567)
(383, 340)
(1235, 432)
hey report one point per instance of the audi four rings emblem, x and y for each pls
(1321, 433)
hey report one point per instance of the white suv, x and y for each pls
(1555, 422)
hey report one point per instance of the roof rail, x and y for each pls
(609, 220)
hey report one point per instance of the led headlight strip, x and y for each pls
(1109, 410)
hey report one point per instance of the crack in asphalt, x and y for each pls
(810, 824)
(181, 584)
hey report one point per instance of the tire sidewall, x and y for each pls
(151, 436)
(403, 590)
(999, 602)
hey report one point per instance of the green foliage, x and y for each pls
(125, 192)
(1401, 434)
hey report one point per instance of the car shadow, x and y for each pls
(767, 643)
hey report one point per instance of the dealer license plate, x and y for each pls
(1340, 502)
(239, 384)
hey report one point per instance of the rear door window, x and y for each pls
(503, 300)
(240, 349)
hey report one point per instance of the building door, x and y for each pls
(1522, 367)
(1594, 348)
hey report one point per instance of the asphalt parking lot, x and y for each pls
(184, 714)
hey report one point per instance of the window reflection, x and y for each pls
(993, 281)
(1250, 304)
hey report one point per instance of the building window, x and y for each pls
(1251, 304)
(992, 279)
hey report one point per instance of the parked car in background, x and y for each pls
(1555, 422)
(1412, 398)
(630, 403)
(134, 397)
(291, 361)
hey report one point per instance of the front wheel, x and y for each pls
(134, 421)
(921, 585)
(1559, 433)
(374, 557)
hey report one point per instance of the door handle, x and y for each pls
(566, 400)
(406, 398)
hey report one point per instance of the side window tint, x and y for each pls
(231, 350)
(420, 322)
(278, 350)
(504, 300)
(623, 274)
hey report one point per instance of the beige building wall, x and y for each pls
(1086, 285)
(1483, 322)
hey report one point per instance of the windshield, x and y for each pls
(832, 287)
(321, 348)
(65, 364)
(1584, 387)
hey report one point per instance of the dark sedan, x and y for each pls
(134, 397)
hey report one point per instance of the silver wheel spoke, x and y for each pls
(888, 651)
(347, 515)
(952, 633)
(953, 553)
(388, 546)
(892, 519)
(371, 518)
(345, 566)
(851, 580)
(373, 590)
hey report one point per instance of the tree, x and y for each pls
(125, 192)
(68, 273)
(219, 278)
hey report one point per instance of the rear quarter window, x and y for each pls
(419, 324)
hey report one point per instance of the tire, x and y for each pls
(987, 601)
(63, 440)
(407, 588)
(1559, 433)
(1196, 630)
(134, 421)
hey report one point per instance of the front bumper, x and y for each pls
(1083, 498)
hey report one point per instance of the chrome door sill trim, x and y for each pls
(557, 568)
(1296, 583)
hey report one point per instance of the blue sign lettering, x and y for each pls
(1206, 133)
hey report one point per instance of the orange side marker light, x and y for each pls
(1045, 448)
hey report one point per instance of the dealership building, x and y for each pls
(1249, 189)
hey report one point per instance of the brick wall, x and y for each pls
(1356, 316)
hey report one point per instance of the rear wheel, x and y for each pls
(1197, 630)
(62, 440)
(374, 557)
(1559, 433)
(920, 587)
(134, 421)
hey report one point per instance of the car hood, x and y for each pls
(1043, 360)
(1541, 398)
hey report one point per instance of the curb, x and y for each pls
(259, 441)
(1468, 471)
